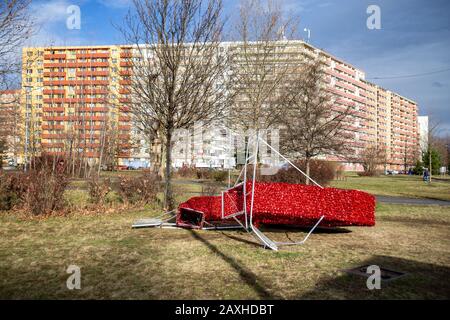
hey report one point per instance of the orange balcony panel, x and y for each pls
(54, 74)
(54, 136)
(124, 109)
(126, 55)
(124, 100)
(124, 136)
(50, 56)
(54, 91)
(52, 145)
(91, 91)
(92, 73)
(125, 82)
(125, 72)
(94, 55)
(126, 63)
(124, 91)
(124, 118)
(50, 109)
(53, 100)
(124, 127)
(52, 127)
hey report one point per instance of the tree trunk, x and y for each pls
(431, 169)
(168, 194)
(307, 170)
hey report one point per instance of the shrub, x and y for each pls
(321, 171)
(142, 189)
(186, 172)
(220, 176)
(11, 190)
(45, 191)
(99, 190)
(203, 173)
(368, 173)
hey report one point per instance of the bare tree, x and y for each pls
(314, 124)
(258, 63)
(178, 68)
(15, 28)
(432, 142)
(371, 158)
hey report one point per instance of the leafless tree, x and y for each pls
(314, 123)
(15, 28)
(432, 143)
(258, 63)
(178, 70)
(371, 158)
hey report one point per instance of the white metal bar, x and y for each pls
(254, 178)
(308, 177)
(223, 204)
(244, 189)
(304, 240)
(235, 215)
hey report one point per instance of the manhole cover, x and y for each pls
(386, 274)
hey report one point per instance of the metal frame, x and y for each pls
(249, 226)
(248, 216)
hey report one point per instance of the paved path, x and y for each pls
(401, 200)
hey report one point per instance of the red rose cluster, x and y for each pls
(285, 204)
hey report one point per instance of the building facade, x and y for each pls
(10, 125)
(75, 100)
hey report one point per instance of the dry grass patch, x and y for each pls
(119, 262)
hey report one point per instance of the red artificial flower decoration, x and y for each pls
(284, 204)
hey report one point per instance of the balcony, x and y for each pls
(94, 55)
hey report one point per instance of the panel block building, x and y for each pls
(76, 100)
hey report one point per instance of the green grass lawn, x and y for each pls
(401, 185)
(119, 262)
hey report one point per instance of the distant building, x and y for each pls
(423, 133)
(11, 124)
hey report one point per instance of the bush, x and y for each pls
(418, 168)
(45, 191)
(220, 176)
(11, 190)
(368, 173)
(203, 173)
(140, 190)
(187, 172)
(99, 190)
(321, 171)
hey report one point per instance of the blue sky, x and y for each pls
(414, 38)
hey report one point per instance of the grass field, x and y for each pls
(401, 186)
(119, 262)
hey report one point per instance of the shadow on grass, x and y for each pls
(421, 281)
(249, 278)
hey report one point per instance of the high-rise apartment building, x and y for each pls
(76, 100)
(75, 103)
